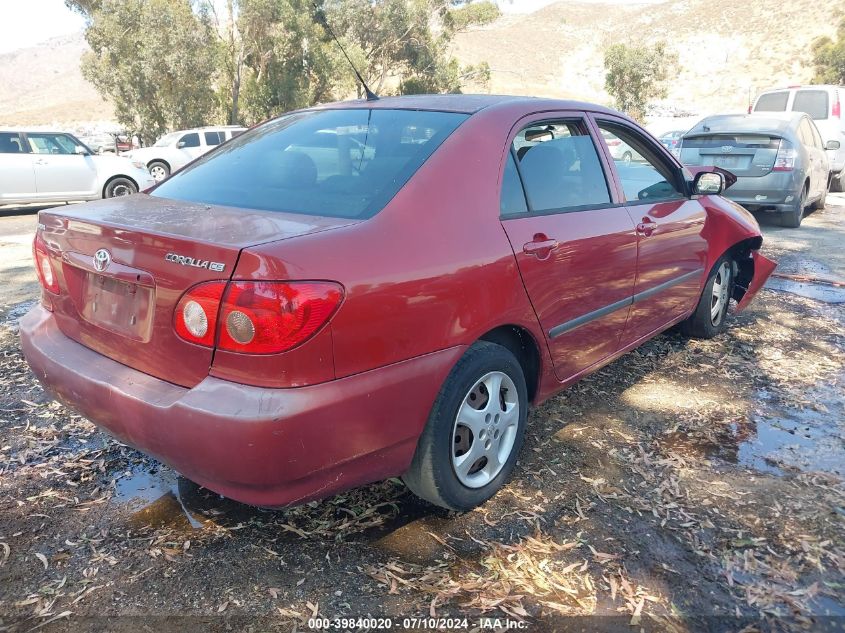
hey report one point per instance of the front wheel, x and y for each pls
(710, 314)
(475, 431)
(120, 186)
(158, 170)
(837, 183)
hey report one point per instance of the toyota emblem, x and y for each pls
(727, 148)
(102, 259)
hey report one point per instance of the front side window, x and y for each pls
(560, 167)
(50, 143)
(812, 102)
(339, 163)
(644, 174)
(10, 143)
(189, 140)
(772, 102)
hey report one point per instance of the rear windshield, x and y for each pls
(341, 163)
(772, 102)
(813, 102)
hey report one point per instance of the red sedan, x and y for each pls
(372, 289)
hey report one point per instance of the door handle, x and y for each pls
(540, 246)
(40, 161)
(646, 227)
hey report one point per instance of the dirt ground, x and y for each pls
(688, 486)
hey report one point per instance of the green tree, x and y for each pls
(154, 59)
(829, 58)
(636, 75)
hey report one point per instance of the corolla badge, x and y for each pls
(195, 262)
(102, 259)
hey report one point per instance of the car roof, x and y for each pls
(764, 122)
(807, 87)
(463, 103)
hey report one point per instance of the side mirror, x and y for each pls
(80, 151)
(834, 145)
(180, 144)
(708, 183)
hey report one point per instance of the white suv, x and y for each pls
(175, 150)
(58, 167)
(824, 105)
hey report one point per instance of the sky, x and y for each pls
(27, 22)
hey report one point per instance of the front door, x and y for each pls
(60, 172)
(672, 249)
(575, 247)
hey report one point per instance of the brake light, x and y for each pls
(612, 142)
(43, 265)
(837, 108)
(267, 317)
(195, 319)
(255, 317)
(785, 160)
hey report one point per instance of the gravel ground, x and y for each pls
(688, 486)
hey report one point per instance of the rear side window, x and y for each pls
(213, 138)
(513, 196)
(339, 163)
(560, 167)
(772, 102)
(10, 143)
(813, 102)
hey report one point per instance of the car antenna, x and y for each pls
(321, 18)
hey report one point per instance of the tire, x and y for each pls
(441, 471)
(793, 217)
(627, 157)
(120, 186)
(837, 184)
(159, 170)
(707, 321)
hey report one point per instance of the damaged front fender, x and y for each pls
(752, 276)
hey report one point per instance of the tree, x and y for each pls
(635, 75)
(154, 59)
(829, 58)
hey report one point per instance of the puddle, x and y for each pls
(809, 290)
(778, 439)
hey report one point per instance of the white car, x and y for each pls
(824, 105)
(58, 167)
(175, 150)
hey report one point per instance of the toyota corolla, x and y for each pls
(379, 288)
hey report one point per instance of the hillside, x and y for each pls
(42, 85)
(727, 49)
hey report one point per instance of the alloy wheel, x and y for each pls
(720, 297)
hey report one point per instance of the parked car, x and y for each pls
(100, 143)
(175, 150)
(619, 149)
(779, 160)
(279, 330)
(824, 105)
(672, 140)
(58, 167)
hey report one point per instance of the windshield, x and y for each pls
(341, 163)
(167, 139)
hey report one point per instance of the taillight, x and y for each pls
(837, 108)
(612, 142)
(255, 317)
(785, 160)
(195, 319)
(43, 265)
(266, 317)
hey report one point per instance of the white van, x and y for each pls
(824, 105)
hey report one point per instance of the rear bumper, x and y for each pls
(267, 447)
(777, 190)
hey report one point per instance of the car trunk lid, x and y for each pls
(123, 264)
(745, 155)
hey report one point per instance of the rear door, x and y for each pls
(575, 246)
(61, 173)
(17, 175)
(671, 246)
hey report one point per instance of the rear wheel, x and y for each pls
(474, 433)
(120, 186)
(793, 217)
(711, 313)
(158, 170)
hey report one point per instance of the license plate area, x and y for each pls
(118, 306)
(732, 162)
